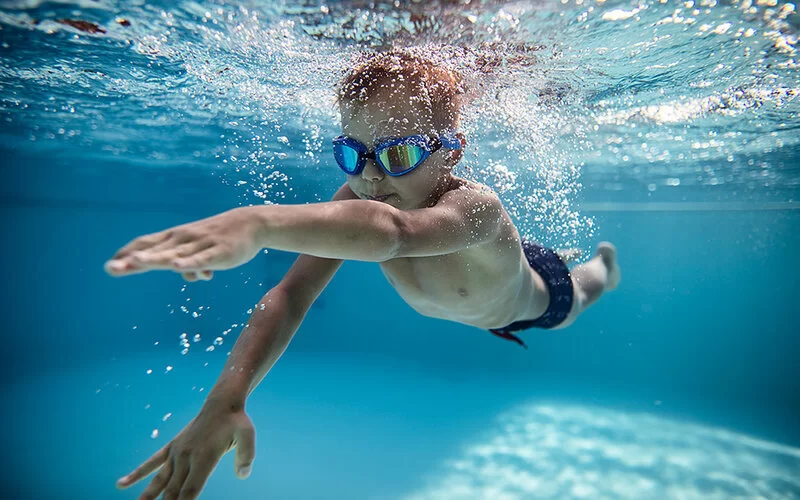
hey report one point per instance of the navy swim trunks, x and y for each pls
(556, 276)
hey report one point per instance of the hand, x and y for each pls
(189, 459)
(223, 241)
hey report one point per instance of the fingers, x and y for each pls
(145, 469)
(204, 275)
(158, 483)
(159, 256)
(201, 468)
(179, 479)
(165, 258)
(142, 243)
(201, 260)
(245, 450)
(179, 473)
(121, 268)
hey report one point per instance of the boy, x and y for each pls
(446, 244)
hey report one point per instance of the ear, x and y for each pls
(455, 155)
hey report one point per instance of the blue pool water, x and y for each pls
(668, 128)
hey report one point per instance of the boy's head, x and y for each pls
(432, 87)
(395, 95)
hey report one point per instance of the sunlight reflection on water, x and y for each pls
(562, 451)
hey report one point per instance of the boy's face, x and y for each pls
(396, 112)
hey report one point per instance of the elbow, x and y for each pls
(279, 300)
(276, 296)
(291, 302)
(286, 307)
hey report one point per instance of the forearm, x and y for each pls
(348, 229)
(258, 347)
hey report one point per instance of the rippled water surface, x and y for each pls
(639, 97)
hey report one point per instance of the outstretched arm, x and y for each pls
(342, 229)
(374, 231)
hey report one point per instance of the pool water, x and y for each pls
(667, 128)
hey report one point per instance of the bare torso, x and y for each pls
(487, 286)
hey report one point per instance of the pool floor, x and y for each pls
(347, 428)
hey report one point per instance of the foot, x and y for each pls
(608, 253)
(569, 255)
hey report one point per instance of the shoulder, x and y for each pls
(467, 215)
(465, 194)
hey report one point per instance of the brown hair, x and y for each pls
(441, 87)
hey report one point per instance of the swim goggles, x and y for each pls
(396, 157)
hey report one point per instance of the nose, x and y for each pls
(372, 172)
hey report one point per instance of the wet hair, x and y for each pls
(440, 88)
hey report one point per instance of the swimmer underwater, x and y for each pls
(446, 244)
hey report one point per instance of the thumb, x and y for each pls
(245, 450)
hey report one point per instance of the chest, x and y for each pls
(443, 282)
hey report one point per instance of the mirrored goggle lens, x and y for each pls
(346, 157)
(402, 157)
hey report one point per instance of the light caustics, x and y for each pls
(566, 451)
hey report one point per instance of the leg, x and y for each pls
(593, 278)
(601, 273)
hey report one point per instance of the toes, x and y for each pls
(608, 252)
